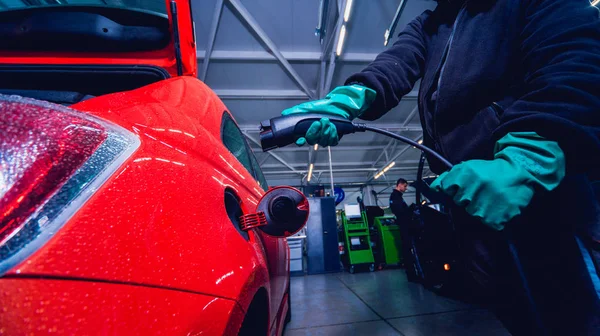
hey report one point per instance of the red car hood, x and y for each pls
(177, 55)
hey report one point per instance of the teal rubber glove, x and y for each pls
(344, 101)
(498, 190)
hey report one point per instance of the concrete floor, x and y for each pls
(380, 303)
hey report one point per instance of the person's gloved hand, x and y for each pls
(344, 101)
(498, 190)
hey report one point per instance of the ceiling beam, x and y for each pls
(332, 56)
(333, 12)
(211, 38)
(343, 170)
(412, 113)
(275, 156)
(348, 185)
(291, 56)
(263, 160)
(335, 164)
(322, 23)
(402, 151)
(407, 121)
(260, 94)
(326, 49)
(262, 35)
(321, 82)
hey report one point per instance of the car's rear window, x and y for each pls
(156, 6)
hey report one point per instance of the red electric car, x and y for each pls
(123, 179)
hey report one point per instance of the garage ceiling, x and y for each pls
(262, 56)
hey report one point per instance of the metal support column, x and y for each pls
(331, 170)
(332, 56)
(211, 38)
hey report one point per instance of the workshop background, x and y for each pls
(263, 56)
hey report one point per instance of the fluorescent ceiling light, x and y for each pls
(349, 8)
(384, 170)
(340, 43)
(388, 167)
(420, 142)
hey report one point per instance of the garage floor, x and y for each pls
(380, 303)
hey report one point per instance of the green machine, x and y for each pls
(356, 238)
(390, 245)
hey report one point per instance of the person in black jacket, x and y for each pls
(509, 94)
(403, 217)
(397, 203)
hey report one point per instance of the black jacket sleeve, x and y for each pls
(560, 94)
(394, 72)
(398, 206)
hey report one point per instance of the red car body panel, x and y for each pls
(160, 220)
(154, 243)
(58, 307)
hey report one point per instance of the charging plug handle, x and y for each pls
(285, 130)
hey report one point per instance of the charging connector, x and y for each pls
(285, 130)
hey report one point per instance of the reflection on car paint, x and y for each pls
(232, 168)
(260, 192)
(159, 159)
(232, 182)
(228, 274)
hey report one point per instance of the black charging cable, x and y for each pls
(365, 127)
(284, 130)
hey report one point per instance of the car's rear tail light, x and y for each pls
(41, 149)
(51, 160)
